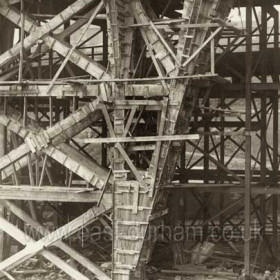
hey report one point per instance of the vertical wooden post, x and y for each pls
(104, 148)
(51, 73)
(263, 47)
(275, 142)
(21, 42)
(275, 171)
(212, 51)
(222, 159)
(2, 234)
(206, 172)
(2, 208)
(3, 138)
(105, 45)
(247, 198)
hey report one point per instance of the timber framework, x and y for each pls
(138, 118)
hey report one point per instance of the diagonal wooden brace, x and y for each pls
(66, 155)
(40, 32)
(95, 269)
(60, 132)
(25, 239)
(51, 239)
(54, 42)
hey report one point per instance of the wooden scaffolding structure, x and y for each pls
(118, 126)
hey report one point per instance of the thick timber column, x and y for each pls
(113, 16)
(6, 34)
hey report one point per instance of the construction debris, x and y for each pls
(201, 252)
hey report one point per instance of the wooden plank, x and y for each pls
(148, 147)
(62, 89)
(148, 80)
(53, 193)
(176, 24)
(139, 103)
(135, 198)
(143, 139)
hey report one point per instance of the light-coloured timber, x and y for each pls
(60, 132)
(86, 168)
(61, 47)
(72, 89)
(66, 155)
(53, 193)
(34, 248)
(143, 139)
(95, 269)
(161, 52)
(43, 30)
(24, 239)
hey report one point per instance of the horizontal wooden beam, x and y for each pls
(141, 80)
(179, 23)
(254, 86)
(227, 188)
(63, 89)
(50, 193)
(152, 79)
(40, 90)
(142, 139)
(77, 17)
